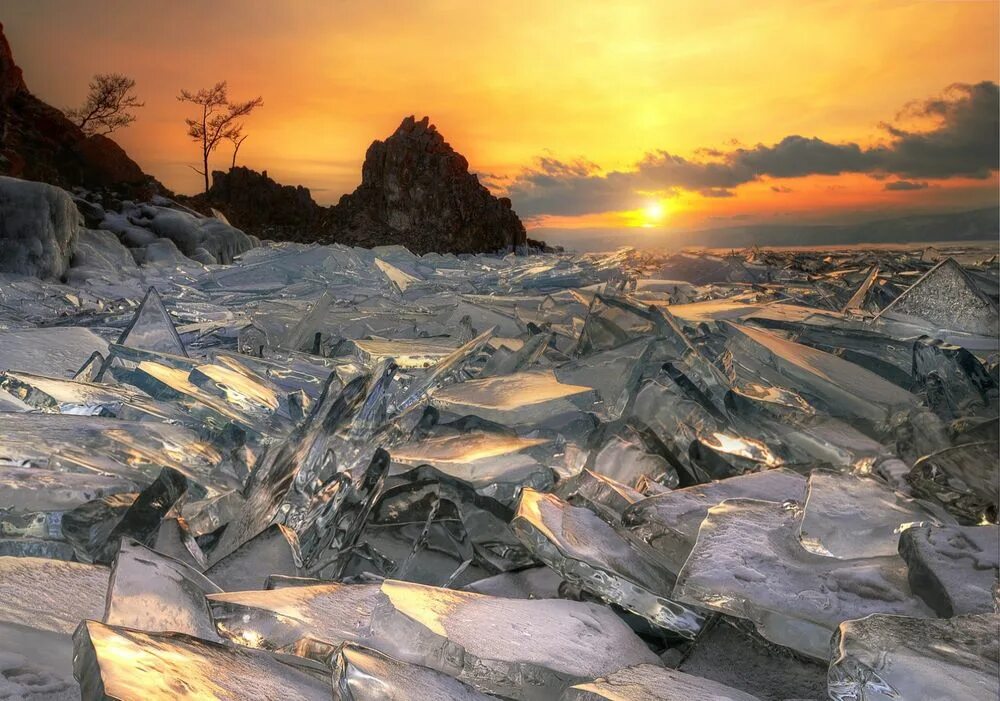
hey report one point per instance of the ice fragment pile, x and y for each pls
(327, 472)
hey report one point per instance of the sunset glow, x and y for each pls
(609, 115)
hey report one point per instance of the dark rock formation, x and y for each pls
(37, 142)
(258, 205)
(418, 192)
(415, 191)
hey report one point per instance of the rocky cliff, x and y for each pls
(37, 142)
(416, 190)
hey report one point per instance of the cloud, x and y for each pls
(716, 192)
(962, 142)
(906, 185)
(781, 189)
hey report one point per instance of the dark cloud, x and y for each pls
(906, 185)
(781, 189)
(716, 192)
(963, 142)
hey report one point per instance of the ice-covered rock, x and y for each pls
(38, 228)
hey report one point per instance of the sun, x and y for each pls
(653, 213)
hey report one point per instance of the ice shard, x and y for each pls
(495, 464)
(669, 522)
(94, 529)
(363, 674)
(586, 551)
(521, 398)
(653, 683)
(954, 569)
(152, 328)
(120, 664)
(896, 657)
(153, 592)
(948, 297)
(50, 594)
(748, 562)
(848, 517)
(275, 550)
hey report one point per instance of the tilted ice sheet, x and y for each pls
(748, 562)
(363, 674)
(954, 569)
(152, 592)
(498, 645)
(56, 352)
(130, 665)
(50, 594)
(669, 522)
(587, 551)
(653, 683)
(521, 398)
(884, 658)
(847, 516)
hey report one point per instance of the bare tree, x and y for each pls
(237, 137)
(220, 119)
(107, 106)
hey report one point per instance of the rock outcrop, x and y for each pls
(38, 228)
(260, 206)
(38, 142)
(417, 191)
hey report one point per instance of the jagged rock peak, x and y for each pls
(11, 77)
(416, 190)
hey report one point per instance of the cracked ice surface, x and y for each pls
(324, 472)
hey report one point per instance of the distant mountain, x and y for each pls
(974, 225)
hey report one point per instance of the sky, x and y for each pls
(632, 118)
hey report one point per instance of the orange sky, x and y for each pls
(507, 83)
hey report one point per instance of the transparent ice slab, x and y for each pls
(884, 657)
(947, 296)
(954, 569)
(585, 550)
(129, 665)
(54, 352)
(152, 592)
(669, 522)
(963, 478)
(275, 550)
(494, 464)
(50, 594)
(653, 683)
(748, 562)
(363, 674)
(33, 500)
(133, 450)
(840, 388)
(521, 398)
(602, 495)
(498, 645)
(847, 516)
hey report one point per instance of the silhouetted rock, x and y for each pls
(38, 142)
(258, 205)
(418, 192)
